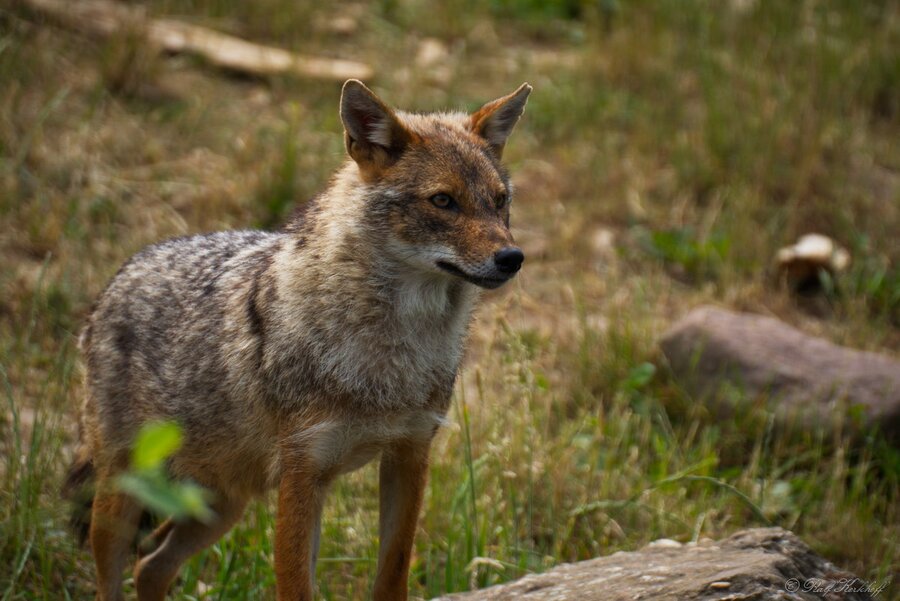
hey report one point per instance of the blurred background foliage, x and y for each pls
(669, 149)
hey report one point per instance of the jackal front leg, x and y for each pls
(301, 495)
(403, 474)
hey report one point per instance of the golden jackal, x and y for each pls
(291, 357)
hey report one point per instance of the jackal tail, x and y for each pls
(78, 489)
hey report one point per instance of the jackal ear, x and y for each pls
(374, 136)
(496, 120)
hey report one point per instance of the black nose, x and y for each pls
(509, 259)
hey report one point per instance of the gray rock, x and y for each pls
(759, 564)
(808, 380)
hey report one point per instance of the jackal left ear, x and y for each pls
(496, 120)
(374, 136)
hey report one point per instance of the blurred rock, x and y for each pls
(431, 52)
(433, 59)
(801, 263)
(345, 24)
(807, 379)
(761, 564)
(603, 243)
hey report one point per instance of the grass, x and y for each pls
(669, 149)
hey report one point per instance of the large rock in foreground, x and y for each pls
(807, 379)
(758, 564)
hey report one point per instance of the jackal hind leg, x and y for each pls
(114, 524)
(152, 541)
(155, 572)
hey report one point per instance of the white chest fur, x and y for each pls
(343, 445)
(389, 342)
(402, 357)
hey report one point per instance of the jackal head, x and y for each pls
(439, 196)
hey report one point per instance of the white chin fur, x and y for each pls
(422, 258)
(422, 287)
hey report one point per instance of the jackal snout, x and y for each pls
(509, 259)
(492, 272)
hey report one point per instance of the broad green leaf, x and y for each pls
(155, 443)
(165, 497)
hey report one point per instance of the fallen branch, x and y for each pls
(104, 19)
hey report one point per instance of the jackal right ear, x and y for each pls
(374, 136)
(496, 120)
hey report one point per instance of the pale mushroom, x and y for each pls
(801, 263)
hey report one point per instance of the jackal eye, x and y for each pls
(501, 201)
(443, 201)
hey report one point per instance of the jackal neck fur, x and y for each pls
(375, 329)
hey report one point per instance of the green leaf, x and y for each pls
(640, 376)
(155, 443)
(150, 491)
(194, 500)
(164, 497)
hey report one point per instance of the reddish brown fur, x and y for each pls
(113, 526)
(404, 473)
(471, 175)
(301, 495)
